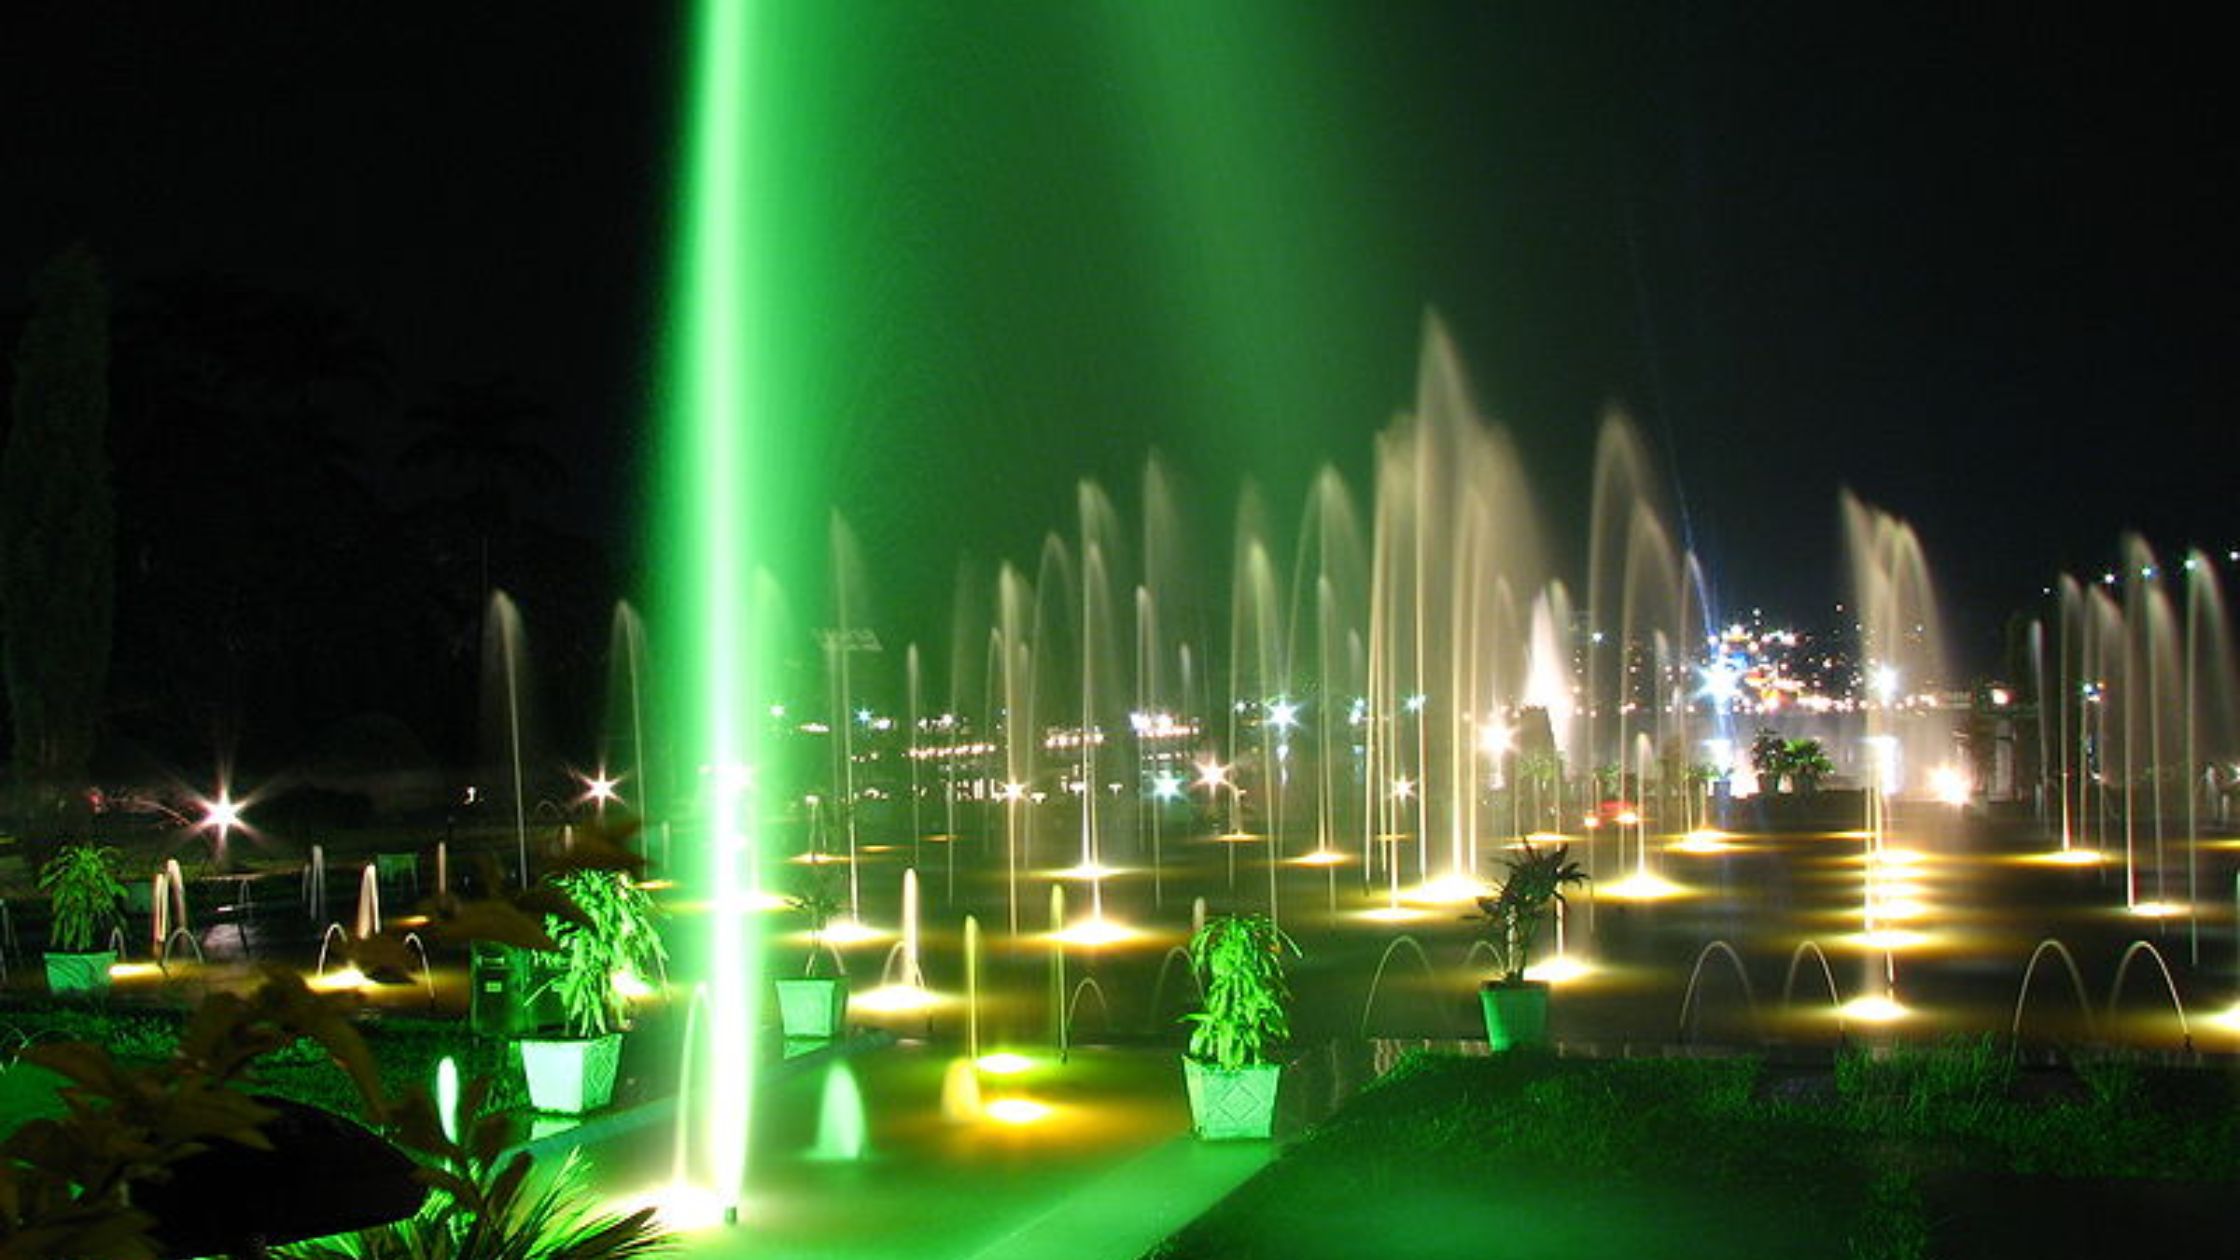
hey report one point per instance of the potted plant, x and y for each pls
(812, 1006)
(1238, 960)
(80, 882)
(1516, 1009)
(610, 936)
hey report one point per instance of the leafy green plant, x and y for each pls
(1807, 763)
(612, 930)
(131, 1036)
(405, 1051)
(1531, 891)
(487, 1205)
(80, 882)
(820, 902)
(1800, 763)
(66, 1181)
(1239, 962)
(1953, 1084)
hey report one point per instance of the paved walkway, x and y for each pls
(1104, 1174)
(1127, 1211)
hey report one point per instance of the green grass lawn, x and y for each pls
(405, 1050)
(1926, 1152)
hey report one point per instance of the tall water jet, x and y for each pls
(912, 973)
(1055, 634)
(972, 987)
(368, 919)
(1011, 680)
(504, 699)
(732, 472)
(1058, 968)
(2142, 697)
(1098, 641)
(914, 722)
(1455, 539)
(623, 750)
(842, 640)
(1901, 648)
(2090, 651)
(1641, 601)
(1160, 690)
(315, 884)
(1259, 679)
(159, 910)
(2212, 721)
(1909, 736)
(1329, 597)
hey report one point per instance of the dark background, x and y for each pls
(1976, 267)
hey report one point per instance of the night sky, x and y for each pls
(1979, 269)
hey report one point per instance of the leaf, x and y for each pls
(419, 1127)
(89, 1066)
(204, 1110)
(459, 1188)
(325, 1018)
(498, 922)
(507, 1184)
(602, 847)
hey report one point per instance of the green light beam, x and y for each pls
(705, 560)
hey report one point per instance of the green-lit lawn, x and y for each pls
(1946, 1152)
(405, 1051)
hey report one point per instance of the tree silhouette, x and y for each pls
(481, 435)
(57, 535)
(248, 535)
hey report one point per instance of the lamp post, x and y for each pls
(1213, 776)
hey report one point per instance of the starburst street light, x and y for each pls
(599, 789)
(1403, 788)
(1166, 786)
(1722, 683)
(221, 816)
(1212, 774)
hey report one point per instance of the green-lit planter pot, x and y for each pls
(80, 973)
(1231, 1105)
(1516, 1014)
(813, 1008)
(571, 1077)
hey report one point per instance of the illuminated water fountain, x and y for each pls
(622, 761)
(504, 672)
(1407, 680)
(2144, 731)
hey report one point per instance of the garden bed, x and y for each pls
(1945, 1151)
(405, 1050)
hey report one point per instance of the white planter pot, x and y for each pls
(571, 1076)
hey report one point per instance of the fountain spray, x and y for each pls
(708, 552)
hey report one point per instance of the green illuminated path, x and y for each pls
(1128, 1210)
(1117, 1211)
(1109, 1172)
